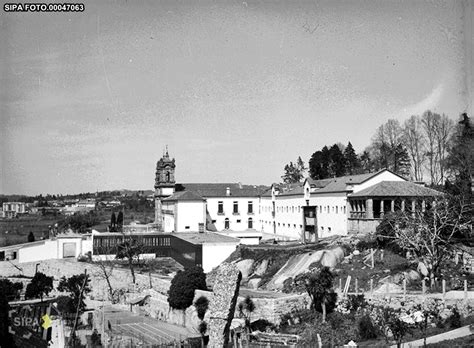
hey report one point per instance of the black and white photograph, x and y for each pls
(227, 173)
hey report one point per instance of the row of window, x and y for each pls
(109, 242)
(235, 210)
(326, 209)
(227, 223)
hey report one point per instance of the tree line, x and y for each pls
(429, 147)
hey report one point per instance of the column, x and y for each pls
(403, 205)
(413, 207)
(381, 208)
(370, 208)
(392, 205)
(423, 206)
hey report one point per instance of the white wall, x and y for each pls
(265, 215)
(331, 213)
(214, 254)
(189, 215)
(384, 176)
(238, 222)
(38, 252)
(289, 215)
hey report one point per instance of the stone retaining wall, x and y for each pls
(120, 279)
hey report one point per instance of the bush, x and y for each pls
(181, 292)
(338, 330)
(454, 320)
(367, 330)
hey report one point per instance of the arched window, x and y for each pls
(250, 223)
(226, 223)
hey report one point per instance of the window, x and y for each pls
(226, 223)
(320, 209)
(344, 210)
(213, 221)
(186, 227)
(220, 207)
(329, 229)
(238, 221)
(250, 223)
(337, 209)
(236, 207)
(250, 207)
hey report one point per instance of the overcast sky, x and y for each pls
(237, 89)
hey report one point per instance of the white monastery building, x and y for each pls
(303, 211)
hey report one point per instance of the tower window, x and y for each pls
(250, 224)
(250, 207)
(226, 223)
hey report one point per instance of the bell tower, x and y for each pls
(164, 184)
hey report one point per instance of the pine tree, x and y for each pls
(352, 163)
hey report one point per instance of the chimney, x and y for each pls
(227, 191)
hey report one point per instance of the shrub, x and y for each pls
(367, 330)
(201, 304)
(181, 292)
(454, 320)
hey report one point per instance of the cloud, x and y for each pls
(430, 102)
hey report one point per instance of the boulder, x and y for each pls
(392, 289)
(412, 275)
(422, 269)
(261, 268)
(245, 267)
(253, 283)
(329, 260)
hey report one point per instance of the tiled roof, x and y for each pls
(397, 189)
(340, 184)
(220, 189)
(184, 196)
(205, 237)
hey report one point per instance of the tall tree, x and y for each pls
(387, 147)
(461, 158)
(414, 140)
(319, 288)
(430, 121)
(351, 161)
(130, 249)
(336, 166)
(41, 285)
(444, 132)
(366, 162)
(113, 222)
(120, 220)
(319, 163)
(183, 285)
(294, 172)
(77, 286)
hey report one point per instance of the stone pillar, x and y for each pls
(413, 207)
(392, 205)
(403, 205)
(370, 208)
(222, 308)
(423, 206)
(381, 208)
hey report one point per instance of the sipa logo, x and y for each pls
(45, 321)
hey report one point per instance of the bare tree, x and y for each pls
(444, 131)
(106, 269)
(414, 141)
(429, 121)
(130, 249)
(432, 234)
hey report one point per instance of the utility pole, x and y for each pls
(73, 331)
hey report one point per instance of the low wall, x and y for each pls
(120, 278)
(267, 308)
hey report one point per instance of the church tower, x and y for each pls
(164, 184)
